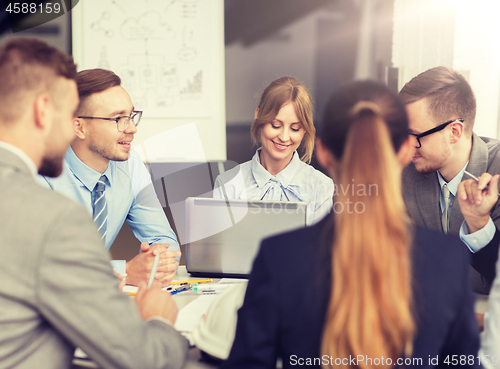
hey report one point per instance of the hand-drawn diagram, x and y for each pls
(160, 49)
(103, 60)
(193, 89)
(98, 27)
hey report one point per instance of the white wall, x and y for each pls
(460, 34)
(477, 50)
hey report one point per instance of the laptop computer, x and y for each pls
(223, 236)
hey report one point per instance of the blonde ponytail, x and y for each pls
(370, 308)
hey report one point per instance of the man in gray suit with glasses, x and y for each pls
(441, 111)
(58, 290)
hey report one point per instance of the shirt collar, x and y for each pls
(85, 174)
(262, 176)
(453, 184)
(22, 155)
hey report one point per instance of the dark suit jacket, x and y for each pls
(58, 290)
(289, 287)
(421, 195)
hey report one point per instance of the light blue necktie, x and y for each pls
(100, 213)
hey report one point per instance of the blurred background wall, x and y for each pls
(325, 43)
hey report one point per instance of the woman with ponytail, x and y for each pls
(361, 288)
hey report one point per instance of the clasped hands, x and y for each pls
(477, 198)
(139, 268)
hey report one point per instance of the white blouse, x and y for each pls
(297, 182)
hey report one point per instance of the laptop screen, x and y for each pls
(223, 237)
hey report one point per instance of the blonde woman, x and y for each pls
(361, 288)
(283, 125)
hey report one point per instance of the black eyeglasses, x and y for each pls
(122, 122)
(433, 130)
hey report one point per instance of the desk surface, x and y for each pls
(194, 355)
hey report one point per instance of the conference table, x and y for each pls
(183, 299)
(194, 359)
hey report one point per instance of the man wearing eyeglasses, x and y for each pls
(441, 111)
(110, 180)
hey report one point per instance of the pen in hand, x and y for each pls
(475, 178)
(153, 270)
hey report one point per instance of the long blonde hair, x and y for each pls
(370, 308)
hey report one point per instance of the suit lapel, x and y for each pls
(478, 163)
(11, 160)
(427, 194)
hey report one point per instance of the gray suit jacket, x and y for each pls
(58, 290)
(421, 195)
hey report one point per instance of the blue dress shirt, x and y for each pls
(297, 182)
(130, 197)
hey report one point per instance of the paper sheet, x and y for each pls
(233, 280)
(190, 315)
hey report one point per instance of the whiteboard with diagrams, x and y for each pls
(168, 53)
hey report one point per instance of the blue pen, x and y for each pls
(180, 290)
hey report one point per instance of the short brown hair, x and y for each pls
(448, 94)
(278, 93)
(92, 81)
(29, 65)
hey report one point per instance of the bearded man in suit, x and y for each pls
(58, 290)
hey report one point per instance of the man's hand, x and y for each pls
(122, 278)
(139, 268)
(476, 199)
(155, 302)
